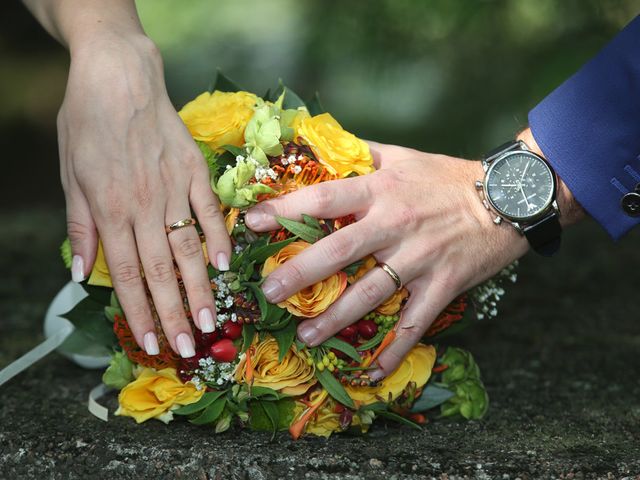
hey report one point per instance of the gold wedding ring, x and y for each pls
(187, 222)
(392, 273)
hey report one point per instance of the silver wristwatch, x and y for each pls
(519, 187)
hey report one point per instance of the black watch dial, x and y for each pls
(520, 185)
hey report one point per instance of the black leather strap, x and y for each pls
(544, 235)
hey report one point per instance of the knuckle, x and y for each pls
(192, 159)
(210, 211)
(386, 181)
(368, 293)
(201, 290)
(340, 248)
(188, 247)
(322, 198)
(406, 218)
(295, 273)
(143, 195)
(77, 231)
(126, 273)
(174, 316)
(159, 271)
(137, 313)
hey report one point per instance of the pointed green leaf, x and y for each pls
(344, 347)
(398, 418)
(248, 334)
(206, 400)
(225, 84)
(315, 105)
(285, 337)
(311, 222)
(260, 255)
(335, 388)
(211, 413)
(431, 397)
(372, 342)
(305, 232)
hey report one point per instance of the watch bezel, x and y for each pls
(543, 210)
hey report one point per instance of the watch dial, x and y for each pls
(520, 185)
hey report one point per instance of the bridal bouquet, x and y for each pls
(252, 370)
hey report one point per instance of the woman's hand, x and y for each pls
(129, 167)
(420, 214)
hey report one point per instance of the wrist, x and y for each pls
(570, 210)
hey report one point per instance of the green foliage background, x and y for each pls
(448, 76)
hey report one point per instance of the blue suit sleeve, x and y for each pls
(589, 130)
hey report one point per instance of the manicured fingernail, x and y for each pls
(185, 345)
(309, 335)
(271, 289)
(77, 269)
(151, 344)
(205, 319)
(377, 375)
(223, 261)
(255, 218)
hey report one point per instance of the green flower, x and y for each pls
(470, 400)
(233, 187)
(120, 371)
(262, 135)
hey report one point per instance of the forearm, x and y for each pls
(570, 210)
(75, 23)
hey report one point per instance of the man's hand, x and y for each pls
(420, 214)
(129, 167)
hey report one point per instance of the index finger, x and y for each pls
(333, 199)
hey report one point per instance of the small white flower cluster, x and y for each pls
(487, 295)
(292, 160)
(224, 300)
(211, 371)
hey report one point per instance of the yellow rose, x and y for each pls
(154, 394)
(100, 272)
(339, 151)
(314, 299)
(391, 305)
(219, 118)
(416, 367)
(292, 376)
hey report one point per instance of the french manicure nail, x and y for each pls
(151, 344)
(377, 375)
(271, 289)
(308, 334)
(223, 261)
(255, 218)
(185, 345)
(77, 269)
(205, 319)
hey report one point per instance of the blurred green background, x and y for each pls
(447, 76)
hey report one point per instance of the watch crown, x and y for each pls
(497, 220)
(479, 184)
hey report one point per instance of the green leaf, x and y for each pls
(225, 84)
(311, 221)
(260, 254)
(80, 343)
(372, 342)
(211, 413)
(344, 347)
(291, 99)
(206, 400)
(431, 397)
(398, 418)
(248, 334)
(260, 419)
(235, 151)
(99, 294)
(305, 232)
(335, 388)
(353, 268)
(119, 373)
(315, 105)
(65, 253)
(88, 316)
(285, 337)
(272, 414)
(258, 392)
(260, 298)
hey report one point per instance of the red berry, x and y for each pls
(340, 354)
(231, 330)
(223, 351)
(367, 329)
(350, 332)
(205, 340)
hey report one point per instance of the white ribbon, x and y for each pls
(31, 357)
(95, 408)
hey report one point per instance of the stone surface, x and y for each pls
(561, 366)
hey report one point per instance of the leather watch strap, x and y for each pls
(544, 235)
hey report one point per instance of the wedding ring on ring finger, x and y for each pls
(187, 222)
(392, 273)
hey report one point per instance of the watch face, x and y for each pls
(520, 185)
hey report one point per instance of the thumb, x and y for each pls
(82, 236)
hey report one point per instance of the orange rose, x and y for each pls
(391, 305)
(314, 299)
